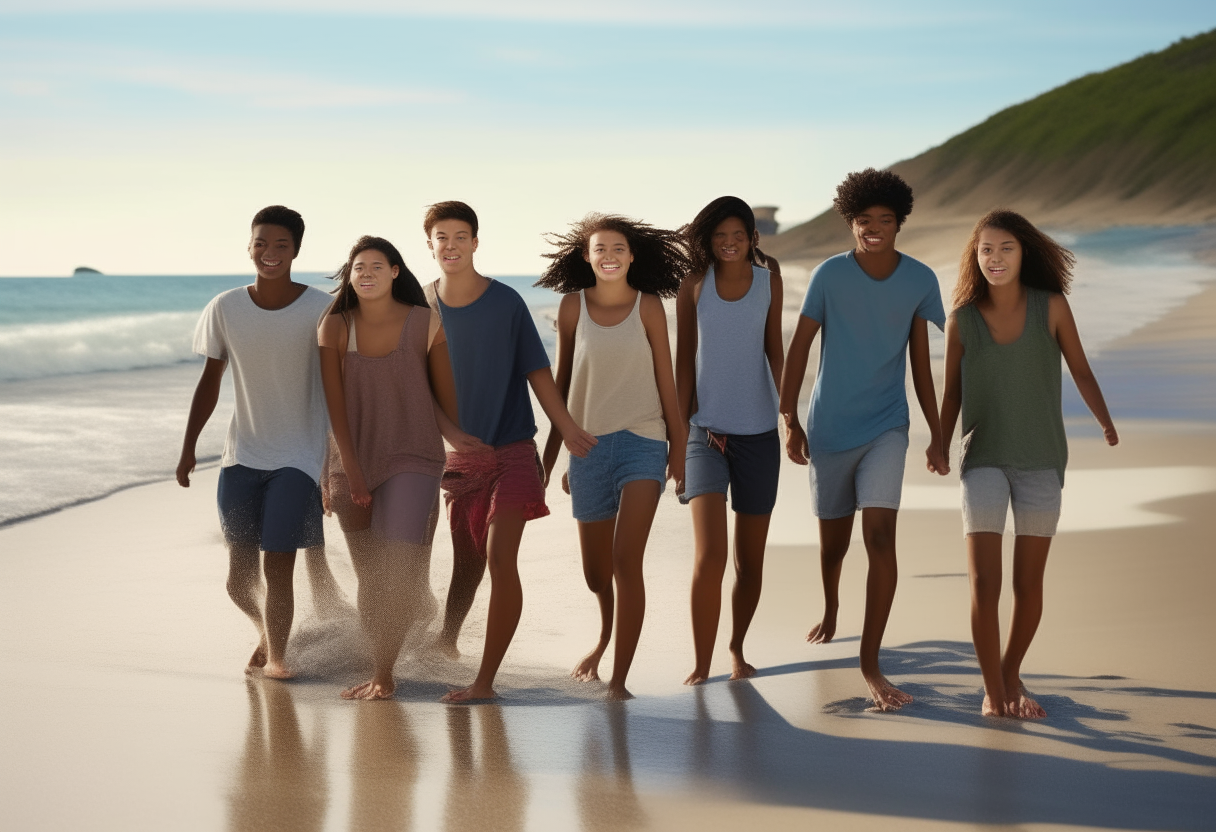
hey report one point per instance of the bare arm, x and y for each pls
(439, 370)
(206, 395)
(577, 440)
(654, 319)
(1063, 328)
(792, 376)
(952, 395)
(331, 338)
(686, 348)
(567, 322)
(926, 395)
(774, 350)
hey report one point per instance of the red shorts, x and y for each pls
(478, 485)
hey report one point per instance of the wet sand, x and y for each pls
(126, 707)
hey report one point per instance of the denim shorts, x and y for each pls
(279, 510)
(596, 480)
(748, 469)
(987, 493)
(868, 476)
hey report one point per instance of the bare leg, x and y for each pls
(1029, 564)
(639, 500)
(709, 532)
(279, 568)
(751, 535)
(380, 609)
(834, 536)
(506, 603)
(984, 564)
(468, 567)
(327, 595)
(878, 530)
(595, 540)
(246, 591)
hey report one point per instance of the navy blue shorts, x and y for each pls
(278, 511)
(749, 468)
(596, 481)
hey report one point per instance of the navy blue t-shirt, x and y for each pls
(493, 345)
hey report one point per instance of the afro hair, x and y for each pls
(870, 187)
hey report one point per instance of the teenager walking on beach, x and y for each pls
(728, 360)
(495, 353)
(1009, 327)
(269, 498)
(614, 371)
(387, 427)
(872, 304)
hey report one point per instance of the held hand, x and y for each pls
(546, 471)
(675, 468)
(359, 494)
(796, 447)
(185, 467)
(566, 482)
(1110, 435)
(936, 461)
(466, 443)
(578, 441)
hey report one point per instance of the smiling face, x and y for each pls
(729, 242)
(609, 255)
(452, 244)
(272, 249)
(1000, 256)
(371, 275)
(874, 230)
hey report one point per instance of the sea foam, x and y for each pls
(125, 342)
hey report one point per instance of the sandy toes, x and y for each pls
(742, 670)
(277, 670)
(989, 709)
(697, 677)
(369, 691)
(258, 659)
(588, 669)
(822, 632)
(468, 696)
(886, 696)
(1022, 706)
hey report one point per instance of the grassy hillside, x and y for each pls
(1134, 144)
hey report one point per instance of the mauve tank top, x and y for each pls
(389, 406)
(612, 383)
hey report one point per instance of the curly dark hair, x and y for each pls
(450, 210)
(659, 262)
(865, 189)
(1045, 263)
(406, 288)
(283, 217)
(699, 233)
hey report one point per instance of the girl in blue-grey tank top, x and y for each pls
(1010, 325)
(728, 362)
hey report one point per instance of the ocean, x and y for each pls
(97, 372)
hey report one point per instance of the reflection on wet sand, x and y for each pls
(606, 797)
(280, 782)
(384, 768)
(485, 791)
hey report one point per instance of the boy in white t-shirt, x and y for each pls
(269, 498)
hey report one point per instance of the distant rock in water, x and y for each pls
(84, 270)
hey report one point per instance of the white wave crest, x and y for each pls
(127, 342)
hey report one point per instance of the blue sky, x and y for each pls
(140, 137)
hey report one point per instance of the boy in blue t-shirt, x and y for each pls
(495, 354)
(872, 304)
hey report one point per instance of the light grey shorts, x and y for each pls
(869, 476)
(987, 493)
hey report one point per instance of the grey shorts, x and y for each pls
(987, 493)
(869, 476)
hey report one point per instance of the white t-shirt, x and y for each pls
(280, 419)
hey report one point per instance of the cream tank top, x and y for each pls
(612, 384)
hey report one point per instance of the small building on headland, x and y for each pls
(82, 271)
(766, 219)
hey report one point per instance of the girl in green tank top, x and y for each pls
(1010, 325)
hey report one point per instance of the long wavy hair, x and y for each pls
(659, 260)
(1045, 263)
(698, 234)
(406, 288)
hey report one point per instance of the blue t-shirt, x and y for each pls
(859, 393)
(493, 345)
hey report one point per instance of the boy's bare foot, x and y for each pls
(740, 668)
(446, 646)
(277, 670)
(697, 677)
(1021, 706)
(370, 690)
(588, 669)
(470, 694)
(258, 659)
(886, 696)
(618, 694)
(822, 632)
(990, 709)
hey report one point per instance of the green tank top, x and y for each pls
(1012, 416)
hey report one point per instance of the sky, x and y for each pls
(141, 137)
